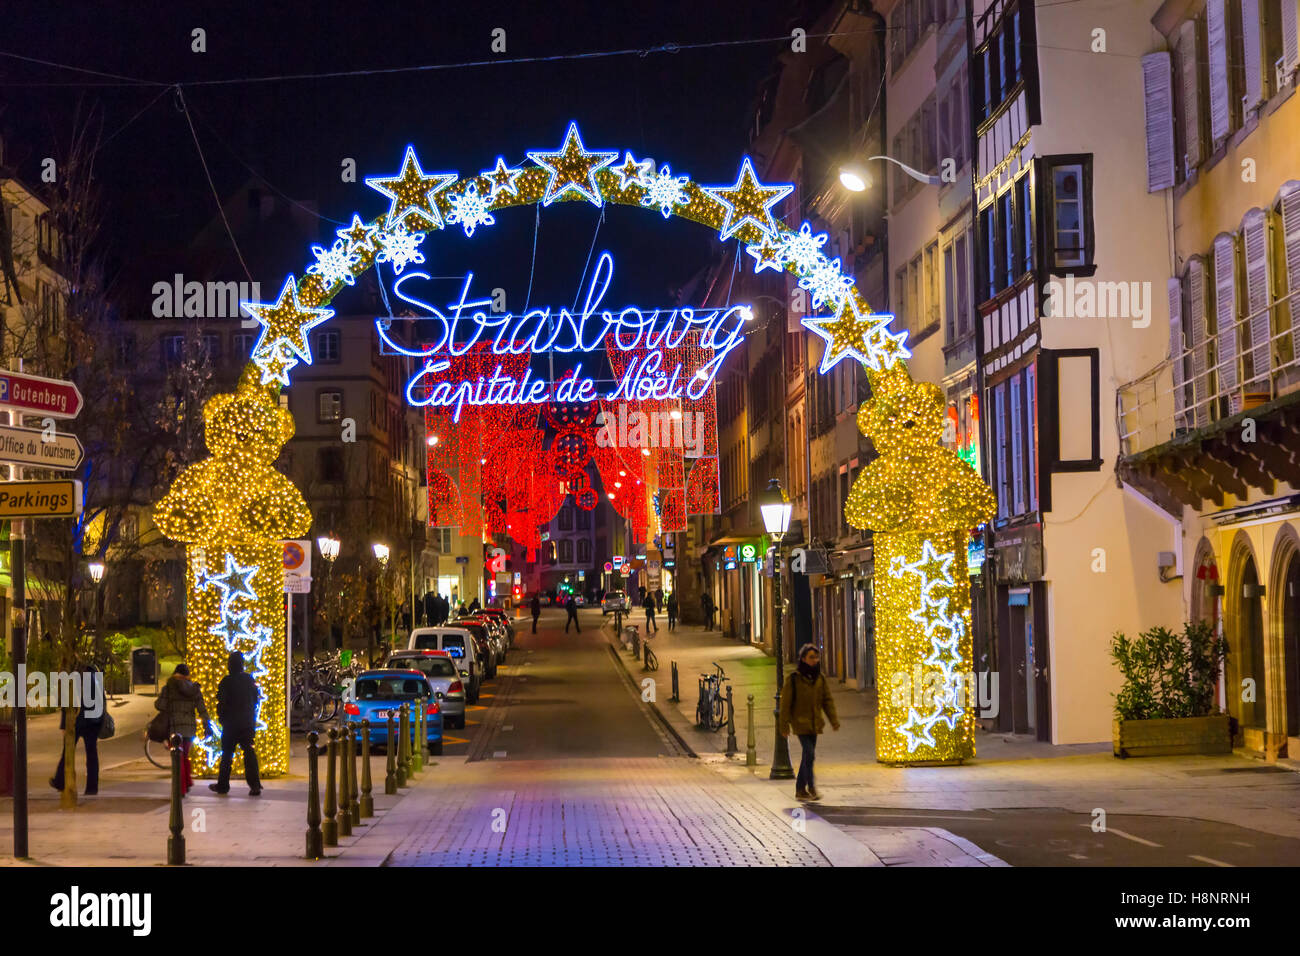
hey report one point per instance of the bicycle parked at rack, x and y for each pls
(649, 661)
(711, 711)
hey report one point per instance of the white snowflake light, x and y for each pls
(335, 264)
(470, 210)
(400, 247)
(803, 248)
(666, 191)
(826, 282)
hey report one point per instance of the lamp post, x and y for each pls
(96, 569)
(775, 508)
(381, 555)
(856, 178)
(329, 550)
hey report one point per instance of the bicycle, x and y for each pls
(650, 662)
(157, 752)
(711, 711)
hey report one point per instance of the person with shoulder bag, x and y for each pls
(805, 696)
(180, 704)
(90, 730)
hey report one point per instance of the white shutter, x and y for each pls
(1254, 240)
(1250, 42)
(1225, 317)
(1158, 94)
(1191, 93)
(1290, 203)
(1216, 25)
(1199, 322)
(1290, 36)
(1177, 352)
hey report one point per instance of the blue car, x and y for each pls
(376, 693)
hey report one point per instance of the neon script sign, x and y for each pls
(468, 322)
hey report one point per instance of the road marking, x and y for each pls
(929, 816)
(454, 740)
(1079, 856)
(1209, 860)
(1129, 836)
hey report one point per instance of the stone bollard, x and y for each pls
(751, 745)
(331, 828)
(176, 824)
(403, 743)
(676, 698)
(390, 755)
(315, 844)
(354, 794)
(731, 725)
(345, 785)
(367, 801)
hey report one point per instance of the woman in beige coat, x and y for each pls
(804, 698)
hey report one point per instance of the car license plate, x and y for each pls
(381, 714)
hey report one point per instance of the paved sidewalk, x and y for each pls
(1008, 772)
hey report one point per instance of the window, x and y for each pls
(907, 27)
(241, 345)
(442, 539)
(988, 261)
(125, 350)
(1070, 228)
(566, 518)
(1025, 226)
(584, 519)
(956, 287)
(328, 346)
(931, 286)
(211, 347)
(330, 407)
(1017, 447)
(1000, 66)
(1005, 253)
(584, 550)
(129, 530)
(566, 551)
(329, 465)
(173, 349)
(1000, 441)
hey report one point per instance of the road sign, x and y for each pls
(29, 447)
(40, 499)
(47, 396)
(297, 567)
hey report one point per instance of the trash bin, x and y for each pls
(144, 665)
(6, 760)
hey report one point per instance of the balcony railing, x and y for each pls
(1251, 363)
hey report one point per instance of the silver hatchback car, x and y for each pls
(440, 670)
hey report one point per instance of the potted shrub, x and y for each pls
(1167, 705)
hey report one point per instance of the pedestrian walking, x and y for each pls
(672, 610)
(181, 700)
(536, 607)
(649, 605)
(237, 696)
(571, 607)
(87, 730)
(706, 605)
(659, 599)
(805, 697)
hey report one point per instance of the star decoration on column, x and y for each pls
(275, 364)
(411, 191)
(945, 655)
(235, 582)
(883, 347)
(767, 255)
(748, 202)
(947, 708)
(359, 236)
(285, 321)
(845, 334)
(502, 179)
(632, 172)
(233, 626)
(930, 616)
(934, 568)
(917, 730)
(573, 168)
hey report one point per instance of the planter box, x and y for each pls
(1178, 735)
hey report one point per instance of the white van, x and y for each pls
(460, 647)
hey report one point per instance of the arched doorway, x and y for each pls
(1285, 628)
(1244, 627)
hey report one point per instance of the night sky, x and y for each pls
(690, 109)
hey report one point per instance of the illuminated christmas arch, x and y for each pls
(922, 625)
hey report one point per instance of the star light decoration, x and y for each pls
(503, 179)
(285, 324)
(470, 210)
(767, 255)
(573, 168)
(412, 191)
(360, 237)
(633, 172)
(850, 334)
(748, 202)
(666, 191)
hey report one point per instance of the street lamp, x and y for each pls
(856, 178)
(775, 509)
(381, 555)
(329, 550)
(96, 569)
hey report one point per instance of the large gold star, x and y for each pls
(412, 191)
(285, 321)
(572, 168)
(748, 201)
(845, 334)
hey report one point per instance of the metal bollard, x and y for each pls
(331, 827)
(403, 743)
(751, 746)
(315, 843)
(636, 643)
(176, 824)
(731, 724)
(354, 797)
(345, 785)
(676, 698)
(367, 801)
(390, 755)
(421, 735)
(702, 707)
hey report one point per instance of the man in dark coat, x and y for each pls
(430, 608)
(237, 697)
(474, 606)
(87, 731)
(706, 605)
(649, 605)
(571, 607)
(672, 610)
(536, 607)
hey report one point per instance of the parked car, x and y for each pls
(440, 671)
(505, 619)
(461, 646)
(493, 643)
(377, 693)
(614, 601)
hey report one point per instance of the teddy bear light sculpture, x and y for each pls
(234, 511)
